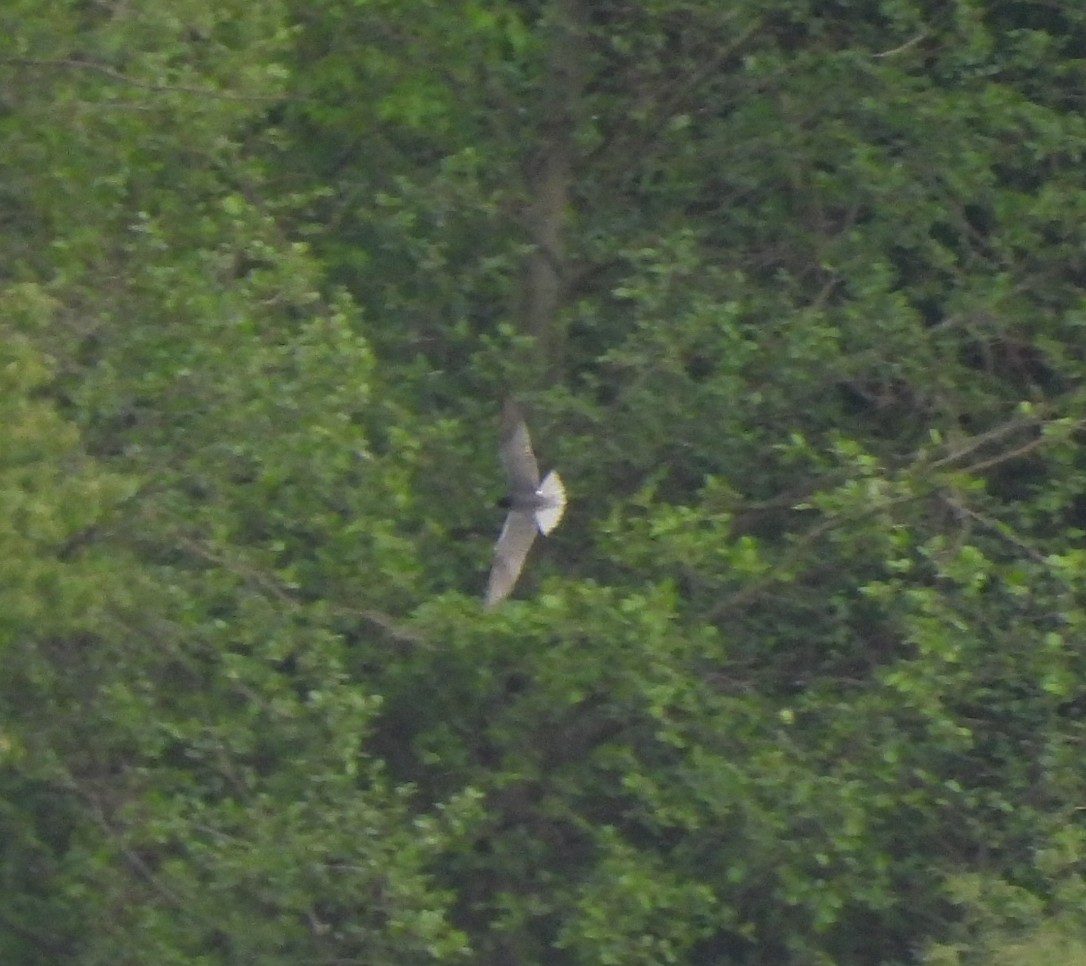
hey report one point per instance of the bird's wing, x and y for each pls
(516, 450)
(509, 553)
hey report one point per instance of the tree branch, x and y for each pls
(68, 63)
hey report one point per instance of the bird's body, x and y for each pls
(533, 505)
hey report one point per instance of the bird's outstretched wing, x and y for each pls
(509, 553)
(516, 450)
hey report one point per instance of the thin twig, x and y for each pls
(905, 46)
(115, 75)
(976, 442)
(996, 526)
(269, 582)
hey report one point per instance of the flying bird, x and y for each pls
(532, 505)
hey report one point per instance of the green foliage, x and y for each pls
(56, 587)
(1010, 925)
(51, 496)
(798, 680)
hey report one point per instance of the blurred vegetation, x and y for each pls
(794, 295)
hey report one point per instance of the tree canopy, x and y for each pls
(795, 297)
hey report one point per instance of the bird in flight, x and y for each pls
(533, 505)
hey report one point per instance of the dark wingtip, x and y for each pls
(511, 413)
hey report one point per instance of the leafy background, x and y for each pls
(795, 296)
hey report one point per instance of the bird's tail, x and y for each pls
(552, 491)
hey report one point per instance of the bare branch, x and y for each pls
(905, 46)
